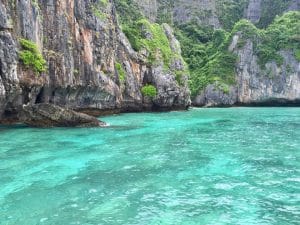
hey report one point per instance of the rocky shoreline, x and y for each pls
(48, 115)
(90, 66)
(86, 63)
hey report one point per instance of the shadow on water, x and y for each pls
(4, 128)
(13, 127)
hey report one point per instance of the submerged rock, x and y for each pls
(49, 115)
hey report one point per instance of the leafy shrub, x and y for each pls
(208, 59)
(135, 26)
(279, 35)
(230, 11)
(149, 91)
(31, 57)
(204, 49)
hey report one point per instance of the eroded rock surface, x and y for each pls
(49, 115)
(272, 85)
(84, 48)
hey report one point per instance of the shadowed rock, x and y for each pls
(49, 115)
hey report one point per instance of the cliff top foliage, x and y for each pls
(205, 49)
(142, 34)
(31, 56)
(283, 33)
(208, 59)
(230, 11)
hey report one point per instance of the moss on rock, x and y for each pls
(31, 57)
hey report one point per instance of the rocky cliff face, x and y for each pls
(254, 84)
(91, 66)
(211, 12)
(200, 11)
(272, 85)
(263, 12)
(181, 11)
(253, 11)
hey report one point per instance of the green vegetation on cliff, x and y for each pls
(98, 7)
(230, 11)
(206, 53)
(206, 49)
(148, 38)
(282, 34)
(128, 12)
(142, 34)
(31, 57)
(270, 9)
(121, 71)
(149, 91)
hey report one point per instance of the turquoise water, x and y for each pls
(204, 166)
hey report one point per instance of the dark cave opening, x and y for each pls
(40, 96)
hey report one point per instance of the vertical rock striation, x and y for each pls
(256, 85)
(86, 54)
(253, 11)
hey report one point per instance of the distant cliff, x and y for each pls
(217, 13)
(228, 67)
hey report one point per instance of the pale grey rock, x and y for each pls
(274, 84)
(214, 96)
(4, 20)
(257, 85)
(203, 11)
(149, 8)
(174, 43)
(294, 5)
(170, 92)
(253, 11)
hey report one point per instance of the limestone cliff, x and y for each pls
(90, 65)
(96, 65)
(253, 83)
(181, 11)
(215, 12)
(253, 11)
(273, 85)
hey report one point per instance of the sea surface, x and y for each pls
(236, 166)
